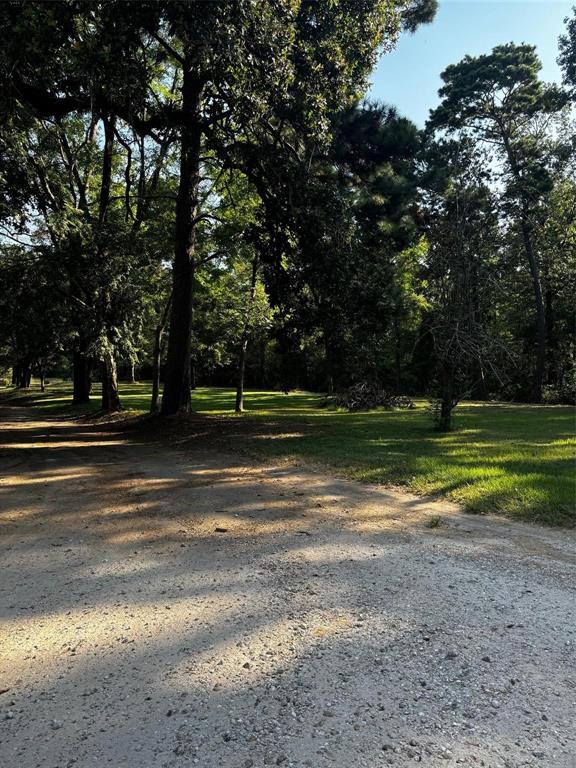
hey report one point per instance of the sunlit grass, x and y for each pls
(513, 459)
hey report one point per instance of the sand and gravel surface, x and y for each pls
(166, 608)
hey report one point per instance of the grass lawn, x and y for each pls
(518, 460)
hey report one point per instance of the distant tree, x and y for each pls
(32, 314)
(86, 205)
(495, 98)
(232, 312)
(557, 244)
(347, 224)
(460, 276)
(375, 152)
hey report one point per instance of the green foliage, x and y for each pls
(567, 57)
(501, 86)
(496, 98)
(461, 269)
(498, 101)
(334, 285)
(224, 312)
(33, 324)
(211, 137)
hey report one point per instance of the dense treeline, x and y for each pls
(195, 192)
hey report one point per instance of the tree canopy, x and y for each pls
(200, 191)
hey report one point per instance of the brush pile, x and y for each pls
(365, 396)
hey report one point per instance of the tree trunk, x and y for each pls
(397, 356)
(132, 373)
(15, 374)
(330, 386)
(109, 122)
(42, 376)
(157, 356)
(244, 340)
(239, 407)
(105, 392)
(156, 362)
(444, 417)
(82, 377)
(110, 395)
(176, 397)
(25, 376)
(328, 356)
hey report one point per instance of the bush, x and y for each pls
(558, 395)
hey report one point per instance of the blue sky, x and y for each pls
(409, 76)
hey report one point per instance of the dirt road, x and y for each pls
(163, 609)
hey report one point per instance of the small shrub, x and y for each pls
(560, 395)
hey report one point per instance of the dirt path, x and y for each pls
(324, 625)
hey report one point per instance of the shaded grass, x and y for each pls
(57, 399)
(518, 460)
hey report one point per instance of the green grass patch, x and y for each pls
(517, 460)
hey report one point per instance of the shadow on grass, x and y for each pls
(508, 458)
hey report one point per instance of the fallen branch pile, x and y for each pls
(365, 396)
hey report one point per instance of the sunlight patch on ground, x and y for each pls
(59, 476)
(247, 659)
(58, 444)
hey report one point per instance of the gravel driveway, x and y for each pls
(162, 610)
